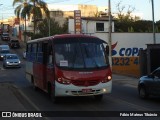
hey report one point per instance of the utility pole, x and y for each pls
(154, 38)
(109, 33)
(49, 25)
(34, 4)
(2, 18)
(25, 29)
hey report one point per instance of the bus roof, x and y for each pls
(60, 36)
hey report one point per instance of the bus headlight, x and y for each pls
(104, 90)
(108, 78)
(64, 81)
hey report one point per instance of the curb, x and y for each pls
(21, 94)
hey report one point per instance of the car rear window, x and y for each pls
(5, 34)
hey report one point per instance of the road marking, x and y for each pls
(130, 85)
(131, 105)
(1, 68)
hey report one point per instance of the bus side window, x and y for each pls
(28, 53)
(50, 55)
(34, 51)
(45, 52)
(39, 53)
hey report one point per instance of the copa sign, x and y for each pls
(129, 51)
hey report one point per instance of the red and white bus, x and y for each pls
(69, 65)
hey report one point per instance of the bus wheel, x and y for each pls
(51, 94)
(98, 97)
(34, 86)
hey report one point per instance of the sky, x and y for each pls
(142, 7)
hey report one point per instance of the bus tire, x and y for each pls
(98, 97)
(51, 94)
(34, 86)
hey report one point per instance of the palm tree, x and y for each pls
(39, 7)
(26, 8)
(22, 11)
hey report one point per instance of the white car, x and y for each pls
(11, 60)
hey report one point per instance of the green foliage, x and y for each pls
(125, 22)
(157, 26)
(26, 8)
(55, 28)
(38, 35)
(28, 34)
(130, 29)
(136, 26)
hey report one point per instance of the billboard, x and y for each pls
(77, 22)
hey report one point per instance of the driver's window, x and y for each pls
(50, 55)
(157, 74)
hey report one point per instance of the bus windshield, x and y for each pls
(80, 55)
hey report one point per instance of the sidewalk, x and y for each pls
(8, 100)
(125, 80)
(11, 103)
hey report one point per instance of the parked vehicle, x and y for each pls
(4, 49)
(14, 43)
(11, 60)
(5, 36)
(149, 84)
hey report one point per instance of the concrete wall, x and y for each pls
(125, 52)
(89, 27)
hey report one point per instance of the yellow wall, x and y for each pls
(126, 66)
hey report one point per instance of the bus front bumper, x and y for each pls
(71, 90)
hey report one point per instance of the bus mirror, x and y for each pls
(107, 50)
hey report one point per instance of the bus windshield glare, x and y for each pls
(80, 55)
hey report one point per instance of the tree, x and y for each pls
(39, 7)
(122, 15)
(22, 11)
(55, 28)
(157, 26)
(35, 8)
(125, 22)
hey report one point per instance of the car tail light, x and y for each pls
(107, 79)
(63, 81)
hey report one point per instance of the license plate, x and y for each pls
(86, 90)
